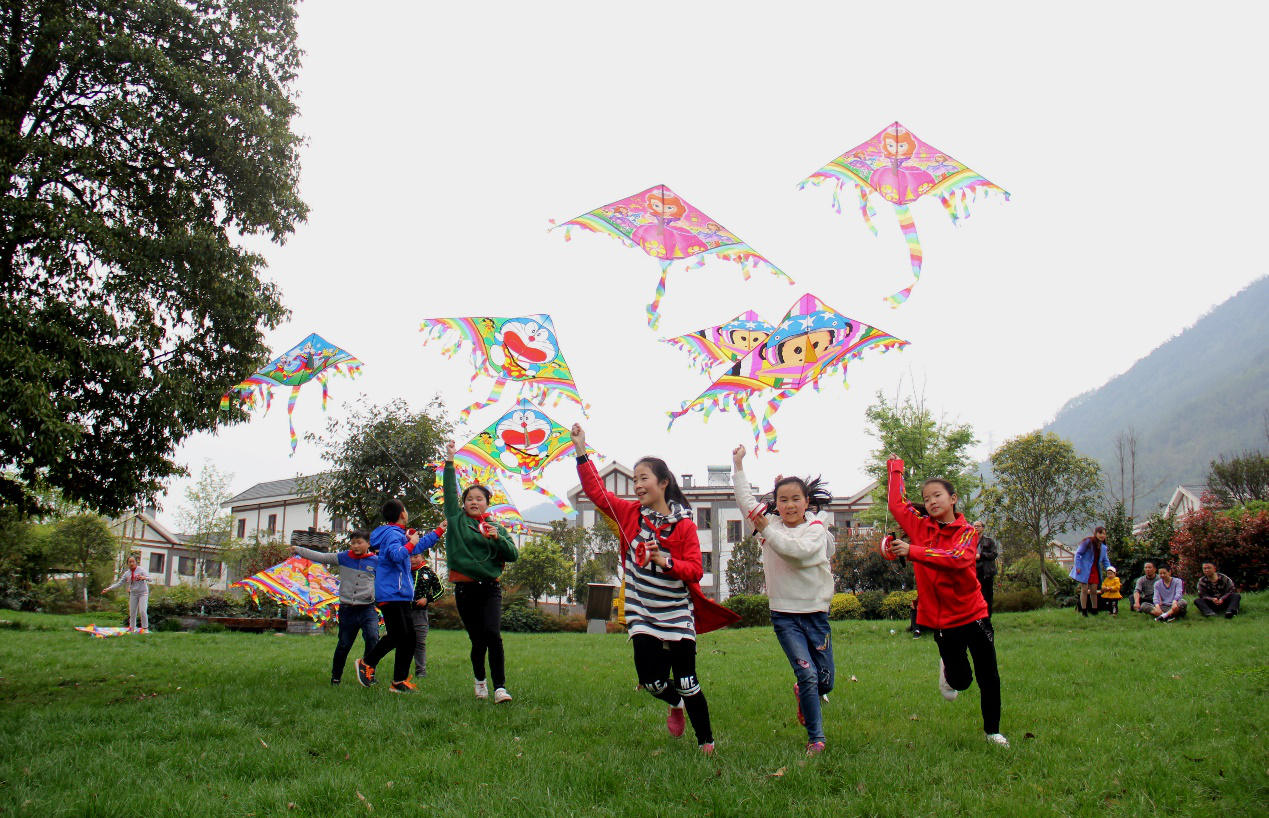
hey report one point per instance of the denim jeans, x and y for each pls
(354, 619)
(808, 642)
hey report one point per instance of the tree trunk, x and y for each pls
(1044, 577)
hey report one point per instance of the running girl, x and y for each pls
(944, 552)
(665, 608)
(796, 549)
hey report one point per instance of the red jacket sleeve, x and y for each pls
(685, 553)
(622, 512)
(915, 524)
(962, 554)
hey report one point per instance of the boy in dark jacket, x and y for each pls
(356, 596)
(427, 589)
(394, 594)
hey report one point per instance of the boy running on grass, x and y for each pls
(357, 612)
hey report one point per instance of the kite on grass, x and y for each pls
(298, 583)
(725, 343)
(524, 349)
(811, 343)
(523, 442)
(502, 508)
(100, 632)
(663, 225)
(901, 169)
(312, 358)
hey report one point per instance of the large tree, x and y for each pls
(744, 568)
(139, 139)
(84, 542)
(540, 569)
(377, 454)
(1043, 488)
(929, 444)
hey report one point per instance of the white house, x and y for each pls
(1185, 501)
(166, 555)
(719, 522)
(276, 510)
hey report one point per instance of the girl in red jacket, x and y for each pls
(665, 609)
(944, 552)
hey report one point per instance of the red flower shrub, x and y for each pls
(1237, 541)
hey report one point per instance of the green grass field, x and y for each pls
(1106, 717)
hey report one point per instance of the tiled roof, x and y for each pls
(273, 488)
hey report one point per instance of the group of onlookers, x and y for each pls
(1157, 593)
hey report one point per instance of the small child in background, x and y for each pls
(427, 589)
(1111, 591)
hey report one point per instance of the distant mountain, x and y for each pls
(1197, 396)
(542, 513)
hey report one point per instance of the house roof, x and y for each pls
(148, 519)
(287, 487)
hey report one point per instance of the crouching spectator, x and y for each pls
(1169, 602)
(1215, 593)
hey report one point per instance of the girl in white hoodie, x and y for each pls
(796, 551)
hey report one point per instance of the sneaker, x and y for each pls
(798, 698)
(998, 740)
(1230, 614)
(501, 695)
(815, 748)
(482, 689)
(916, 634)
(1160, 619)
(404, 687)
(946, 689)
(365, 673)
(675, 722)
(334, 682)
(824, 698)
(708, 748)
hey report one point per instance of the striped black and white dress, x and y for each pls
(657, 605)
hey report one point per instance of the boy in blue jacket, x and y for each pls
(394, 594)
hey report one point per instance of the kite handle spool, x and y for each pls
(486, 528)
(885, 546)
(640, 554)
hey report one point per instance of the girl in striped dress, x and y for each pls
(665, 609)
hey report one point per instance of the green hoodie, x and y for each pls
(469, 552)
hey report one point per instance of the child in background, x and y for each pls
(944, 552)
(796, 550)
(394, 594)
(427, 589)
(1111, 591)
(356, 597)
(138, 581)
(665, 609)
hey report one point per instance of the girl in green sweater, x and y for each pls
(477, 548)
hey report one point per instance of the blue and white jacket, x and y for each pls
(356, 574)
(394, 582)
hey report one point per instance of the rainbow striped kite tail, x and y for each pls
(290, 416)
(494, 395)
(746, 412)
(866, 209)
(915, 255)
(768, 428)
(654, 309)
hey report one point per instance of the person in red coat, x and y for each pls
(944, 553)
(665, 609)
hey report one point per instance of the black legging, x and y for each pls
(480, 607)
(980, 640)
(400, 637)
(654, 662)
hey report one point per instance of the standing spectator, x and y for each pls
(138, 581)
(1216, 593)
(988, 553)
(1143, 590)
(1169, 602)
(1091, 562)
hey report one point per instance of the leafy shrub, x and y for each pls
(898, 605)
(1025, 573)
(520, 619)
(573, 623)
(871, 602)
(754, 609)
(210, 627)
(1027, 599)
(845, 606)
(443, 614)
(1236, 540)
(168, 625)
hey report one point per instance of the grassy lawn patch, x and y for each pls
(1106, 717)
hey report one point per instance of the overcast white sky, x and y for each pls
(442, 137)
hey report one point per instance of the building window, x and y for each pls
(242, 529)
(707, 561)
(735, 532)
(841, 519)
(704, 518)
(273, 524)
(337, 525)
(185, 566)
(156, 564)
(211, 569)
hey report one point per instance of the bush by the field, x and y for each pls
(1027, 599)
(898, 605)
(845, 606)
(871, 602)
(754, 609)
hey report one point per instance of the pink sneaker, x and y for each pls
(798, 699)
(815, 748)
(675, 722)
(708, 749)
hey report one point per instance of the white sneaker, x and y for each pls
(998, 739)
(482, 690)
(946, 689)
(501, 695)
(824, 698)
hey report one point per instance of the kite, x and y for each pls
(501, 507)
(524, 349)
(811, 343)
(523, 442)
(666, 227)
(725, 343)
(902, 169)
(100, 632)
(312, 358)
(298, 583)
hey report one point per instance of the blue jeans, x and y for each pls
(354, 619)
(808, 642)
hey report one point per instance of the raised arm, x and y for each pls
(450, 484)
(915, 524)
(608, 503)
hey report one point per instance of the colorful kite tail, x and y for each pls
(865, 209)
(494, 395)
(532, 485)
(908, 226)
(654, 309)
(746, 411)
(773, 405)
(325, 390)
(290, 417)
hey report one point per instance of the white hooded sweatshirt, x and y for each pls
(796, 560)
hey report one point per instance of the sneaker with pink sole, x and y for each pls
(675, 722)
(814, 748)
